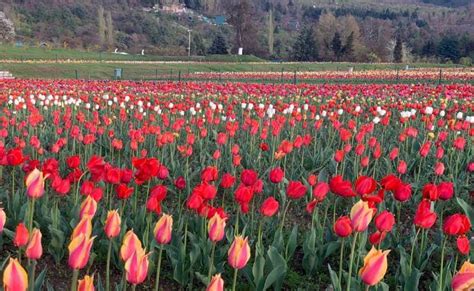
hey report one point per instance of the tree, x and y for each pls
(348, 49)
(243, 17)
(101, 20)
(448, 49)
(304, 49)
(219, 46)
(110, 28)
(398, 51)
(336, 46)
(198, 45)
(428, 49)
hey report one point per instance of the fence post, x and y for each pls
(440, 76)
(179, 76)
(281, 79)
(76, 74)
(156, 74)
(294, 78)
(397, 74)
(171, 75)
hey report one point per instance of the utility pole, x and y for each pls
(189, 42)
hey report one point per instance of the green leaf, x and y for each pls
(291, 245)
(468, 209)
(40, 280)
(258, 269)
(412, 281)
(336, 284)
(276, 274)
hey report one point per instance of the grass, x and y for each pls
(154, 71)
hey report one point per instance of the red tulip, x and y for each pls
(385, 221)
(21, 235)
(456, 224)
(343, 226)
(365, 185)
(341, 187)
(269, 207)
(463, 245)
(424, 217)
(295, 190)
(445, 190)
(276, 175)
(430, 191)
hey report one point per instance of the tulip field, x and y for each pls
(123, 185)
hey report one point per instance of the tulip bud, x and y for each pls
(15, 277)
(21, 236)
(3, 219)
(361, 215)
(239, 253)
(163, 229)
(88, 207)
(129, 245)
(216, 284)
(136, 267)
(86, 284)
(375, 266)
(216, 228)
(35, 184)
(79, 251)
(34, 250)
(112, 224)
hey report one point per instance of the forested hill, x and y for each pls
(304, 30)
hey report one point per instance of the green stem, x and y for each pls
(32, 276)
(75, 274)
(158, 269)
(234, 282)
(32, 211)
(441, 286)
(107, 270)
(413, 247)
(340, 262)
(349, 278)
(284, 215)
(212, 261)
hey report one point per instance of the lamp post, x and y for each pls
(189, 42)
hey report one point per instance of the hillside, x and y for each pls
(426, 29)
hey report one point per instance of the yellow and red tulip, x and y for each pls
(35, 184)
(86, 284)
(375, 266)
(15, 277)
(163, 229)
(34, 250)
(83, 227)
(136, 267)
(216, 228)
(216, 284)
(464, 279)
(129, 245)
(88, 207)
(239, 253)
(361, 216)
(112, 224)
(79, 251)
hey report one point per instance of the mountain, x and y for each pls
(366, 30)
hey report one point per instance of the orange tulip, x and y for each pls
(79, 251)
(88, 207)
(112, 224)
(216, 228)
(86, 284)
(136, 267)
(216, 284)
(163, 229)
(375, 266)
(34, 250)
(83, 227)
(15, 277)
(35, 184)
(464, 279)
(3, 219)
(129, 245)
(239, 253)
(361, 215)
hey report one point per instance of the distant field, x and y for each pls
(9, 52)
